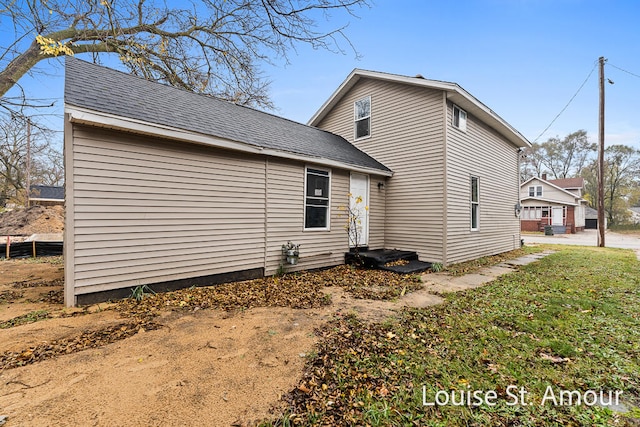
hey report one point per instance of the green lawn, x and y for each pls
(568, 323)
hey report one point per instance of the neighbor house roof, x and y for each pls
(568, 182)
(47, 192)
(104, 97)
(455, 94)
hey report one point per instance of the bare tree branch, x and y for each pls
(211, 46)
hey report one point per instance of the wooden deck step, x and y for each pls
(379, 258)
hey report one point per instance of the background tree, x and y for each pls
(207, 46)
(531, 162)
(559, 158)
(622, 180)
(46, 161)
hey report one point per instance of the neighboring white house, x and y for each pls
(557, 203)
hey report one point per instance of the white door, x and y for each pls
(557, 216)
(359, 204)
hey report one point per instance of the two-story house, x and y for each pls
(555, 202)
(454, 188)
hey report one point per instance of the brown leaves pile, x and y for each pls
(396, 263)
(368, 284)
(292, 290)
(295, 290)
(321, 394)
(86, 340)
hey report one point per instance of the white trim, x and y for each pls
(304, 203)
(35, 199)
(537, 199)
(454, 92)
(110, 121)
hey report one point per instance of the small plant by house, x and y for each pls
(354, 215)
(139, 292)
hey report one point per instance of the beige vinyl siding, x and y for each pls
(147, 211)
(407, 135)
(480, 152)
(285, 218)
(142, 211)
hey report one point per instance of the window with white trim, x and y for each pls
(535, 191)
(316, 200)
(459, 118)
(475, 202)
(362, 117)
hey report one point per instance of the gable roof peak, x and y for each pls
(454, 92)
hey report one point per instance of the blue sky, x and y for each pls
(525, 59)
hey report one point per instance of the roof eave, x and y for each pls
(558, 202)
(89, 117)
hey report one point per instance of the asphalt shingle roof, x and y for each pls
(568, 182)
(109, 91)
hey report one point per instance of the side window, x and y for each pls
(459, 118)
(475, 202)
(362, 115)
(316, 200)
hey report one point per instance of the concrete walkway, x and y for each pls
(435, 284)
(439, 283)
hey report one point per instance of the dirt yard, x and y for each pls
(34, 220)
(189, 366)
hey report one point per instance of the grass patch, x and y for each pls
(633, 229)
(31, 317)
(568, 322)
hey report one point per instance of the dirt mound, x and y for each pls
(36, 219)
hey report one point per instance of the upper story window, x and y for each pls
(535, 191)
(362, 114)
(459, 118)
(316, 200)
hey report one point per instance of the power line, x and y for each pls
(568, 103)
(623, 70)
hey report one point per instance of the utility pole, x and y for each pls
(601, 224)
(28, 162)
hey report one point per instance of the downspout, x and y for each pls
(445, 203)
(518, 239)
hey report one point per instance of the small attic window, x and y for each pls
(362, 117)
(459, 118)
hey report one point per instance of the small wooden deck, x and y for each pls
(379, 258)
